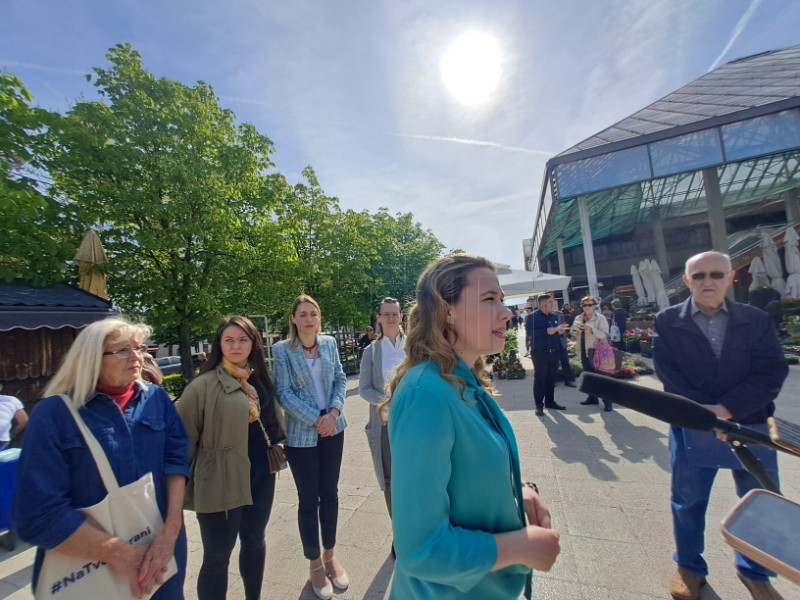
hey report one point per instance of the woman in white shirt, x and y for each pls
(377, 365)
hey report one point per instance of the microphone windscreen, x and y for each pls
(670, 408)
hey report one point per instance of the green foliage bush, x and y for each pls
(174, 384)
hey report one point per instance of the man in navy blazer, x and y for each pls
(727, 356)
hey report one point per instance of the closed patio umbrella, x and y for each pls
(91, 259)
(772, 262)
(758, 272)
(638, 286)
(792, 259)
(647, 281)
(661, 297)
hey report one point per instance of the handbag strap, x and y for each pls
(264, 431)
(99, 455)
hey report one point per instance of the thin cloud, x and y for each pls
(247, 101)
(32, 66)
(438, 138)
(737, 31)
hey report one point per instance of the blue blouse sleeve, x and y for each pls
(422, 434)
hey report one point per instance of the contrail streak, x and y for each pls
(23, 65)
(748, 14)
(437, 138)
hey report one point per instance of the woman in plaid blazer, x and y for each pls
(311, 385)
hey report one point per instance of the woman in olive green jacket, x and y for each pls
(231, 415)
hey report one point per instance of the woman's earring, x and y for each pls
(450, 321)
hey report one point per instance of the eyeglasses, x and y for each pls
(125, 353)
(713, 275)
(588, 305)
(391, 315)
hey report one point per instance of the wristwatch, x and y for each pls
(530, 484)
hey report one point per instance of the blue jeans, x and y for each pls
(691, 488)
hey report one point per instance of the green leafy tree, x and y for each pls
(401, 249)
(39, 234)
(177, 191)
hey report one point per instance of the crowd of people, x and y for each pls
(434, 430)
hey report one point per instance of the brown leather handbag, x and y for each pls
(276, 457)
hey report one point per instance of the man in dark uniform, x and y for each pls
(545, 349)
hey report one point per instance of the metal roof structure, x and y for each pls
(742, 119)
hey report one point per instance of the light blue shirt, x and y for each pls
(713, 328)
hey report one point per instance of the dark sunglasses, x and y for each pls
(588, 304)
(713, 275)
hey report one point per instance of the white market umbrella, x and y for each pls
(792, 259)
(772, 262)
(658, 282)
(758, 272)
(647, 281)
(638, 286)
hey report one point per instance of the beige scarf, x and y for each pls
(242, 375)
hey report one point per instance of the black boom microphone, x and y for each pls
(671, 408)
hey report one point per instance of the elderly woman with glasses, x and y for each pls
(587, 328)
(140, 432)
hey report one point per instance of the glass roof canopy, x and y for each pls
(743, 119)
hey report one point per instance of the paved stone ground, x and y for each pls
(605, 477)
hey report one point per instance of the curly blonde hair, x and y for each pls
(428, 336)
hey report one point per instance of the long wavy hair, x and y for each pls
(293, 335)
(257, 358)
(429, 337)
(80, 370)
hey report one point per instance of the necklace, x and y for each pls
(309, 348)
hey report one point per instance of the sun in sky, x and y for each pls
(471, 67)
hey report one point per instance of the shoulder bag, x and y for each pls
(129, 512)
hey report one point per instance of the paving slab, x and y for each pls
(604, 475)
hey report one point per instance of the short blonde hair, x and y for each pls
(79, 372)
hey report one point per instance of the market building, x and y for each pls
(711, 165)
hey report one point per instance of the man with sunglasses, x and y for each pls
(725, 355)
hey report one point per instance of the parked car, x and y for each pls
(169, 364)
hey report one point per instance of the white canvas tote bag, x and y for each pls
(129, 512)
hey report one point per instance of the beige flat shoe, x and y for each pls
(326, 591)
(341, 582)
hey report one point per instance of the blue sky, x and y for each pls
(354, 87)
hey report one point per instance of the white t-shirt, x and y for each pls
(9, 405)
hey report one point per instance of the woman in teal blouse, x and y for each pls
(464, 524)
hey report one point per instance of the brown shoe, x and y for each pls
(685, 585)
(759, 590)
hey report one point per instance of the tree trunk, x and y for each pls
(185, 351)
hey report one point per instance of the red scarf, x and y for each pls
(121, 395)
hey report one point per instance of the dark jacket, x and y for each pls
(746, 378)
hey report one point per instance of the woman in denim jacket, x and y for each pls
(140, 432)
(311, 385)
